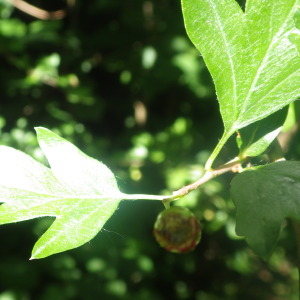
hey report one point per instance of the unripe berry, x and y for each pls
(177, 230)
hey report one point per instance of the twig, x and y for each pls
(234, 166)
(38, 12)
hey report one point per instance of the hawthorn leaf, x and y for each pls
(264, 196)
(81, 173)
(79, 191)
(254, 139)
(254, 64)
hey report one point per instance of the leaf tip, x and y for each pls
(40, 128)
(37, 255)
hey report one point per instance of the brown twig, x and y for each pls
(233, 166)
(38, 12)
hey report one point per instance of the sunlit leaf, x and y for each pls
(253, 62)
(80, 192)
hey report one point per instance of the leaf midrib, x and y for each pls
(68, 196)
(222, 30)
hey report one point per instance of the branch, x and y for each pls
(38, 12)
(233, 166)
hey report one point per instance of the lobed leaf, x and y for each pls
(251, 55)
(79, 172)
(80, 192)
(264, 197)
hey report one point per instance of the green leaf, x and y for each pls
(296, 18)
(291, 118)
(294, 36)
(295, 39)
(80, 192)
(256, 138)
(264, 197)
(254, 65)
(82, 174)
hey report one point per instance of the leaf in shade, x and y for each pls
(256, 138)
(264, 196)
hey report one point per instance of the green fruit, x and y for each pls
(177, 230)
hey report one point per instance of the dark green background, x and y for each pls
(88, 77)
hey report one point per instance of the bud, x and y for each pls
(177, 230)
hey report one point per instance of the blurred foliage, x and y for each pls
(121, 80)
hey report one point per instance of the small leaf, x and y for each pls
(291, 118)
(256, 138)
(79, 191)
(264, 197)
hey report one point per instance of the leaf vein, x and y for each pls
(275, 86)
(229, 54)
